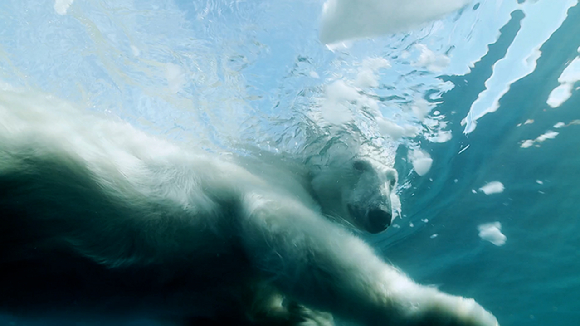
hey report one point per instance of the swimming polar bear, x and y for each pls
(99, 219)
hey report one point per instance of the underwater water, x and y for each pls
(480, 110)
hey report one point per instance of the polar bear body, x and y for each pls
(101, 219)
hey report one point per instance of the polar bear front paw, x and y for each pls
(447, 310)
(309, 317)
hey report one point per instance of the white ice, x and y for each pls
(61, 6)
(353, 19)
(494, 187)
(543, 137)
(567, 79)
(421, 162)
(175, 77)
(492, 232)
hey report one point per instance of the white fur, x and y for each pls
(169, 206)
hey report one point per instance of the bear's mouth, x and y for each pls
(374, 220)
(378, 220)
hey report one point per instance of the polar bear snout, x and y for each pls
(378, 220)
(373, 220)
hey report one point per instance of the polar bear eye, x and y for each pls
(391, 175)
(361, 166)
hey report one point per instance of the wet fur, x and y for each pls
(99, 219)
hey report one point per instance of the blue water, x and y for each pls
(194, 71)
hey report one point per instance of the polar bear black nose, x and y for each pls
(378, 220)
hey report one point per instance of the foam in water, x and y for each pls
(421, 108)
(389, 128)
(335, 108)
(367, 75)
(433, 62)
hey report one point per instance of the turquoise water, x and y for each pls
(213, 72)
(532, 279)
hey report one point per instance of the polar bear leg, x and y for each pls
(265, 305)
(293, 315)
(320, 265)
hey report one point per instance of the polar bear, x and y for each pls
(100, 219)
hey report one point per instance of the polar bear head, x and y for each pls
(357, 190)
